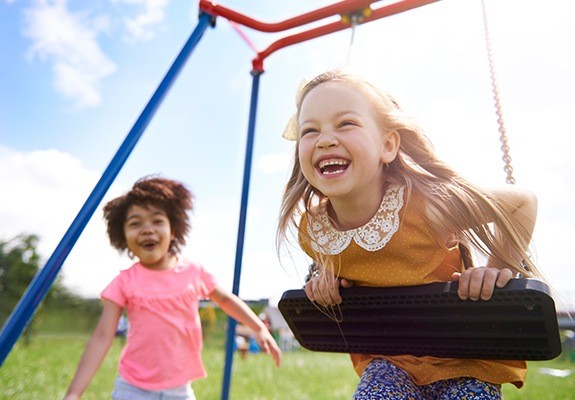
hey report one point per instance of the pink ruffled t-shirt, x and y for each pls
(164, 342)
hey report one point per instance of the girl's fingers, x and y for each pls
(345, 283)
(463, 289)
(488, 283)
(480, 282)
(309, 290)
(476, 277)
(330, 296)
(505, 275)
(323, 293)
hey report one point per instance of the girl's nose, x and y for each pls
(147, 228)
(325, 140)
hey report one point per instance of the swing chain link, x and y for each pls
(499, 111)
(354, 19)
(354, 22)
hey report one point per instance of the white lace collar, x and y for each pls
(372, 236)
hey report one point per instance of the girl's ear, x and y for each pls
(390, 146)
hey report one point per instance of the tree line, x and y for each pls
(19, 263)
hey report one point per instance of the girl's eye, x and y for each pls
(347, 123)
(306, 131)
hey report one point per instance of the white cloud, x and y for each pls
(42, 193)
(46, 180)
(141, 27)
(68, 41)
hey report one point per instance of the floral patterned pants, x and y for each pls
(383, 380)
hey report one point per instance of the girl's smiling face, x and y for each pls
(342, 148)
(148, 236)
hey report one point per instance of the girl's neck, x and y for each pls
(169, 261)
(347, 215)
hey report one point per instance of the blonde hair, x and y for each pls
(417, 167)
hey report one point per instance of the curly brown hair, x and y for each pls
(168, 195)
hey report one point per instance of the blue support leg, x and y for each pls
(231, 334)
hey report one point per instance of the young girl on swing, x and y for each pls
(373, 206)
(161, 293)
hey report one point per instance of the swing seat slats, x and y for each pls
(518, 323)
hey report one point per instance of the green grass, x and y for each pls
(44, 369)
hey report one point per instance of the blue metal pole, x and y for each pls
(41, 283)
(241, 232)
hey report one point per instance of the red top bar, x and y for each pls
(341, 8)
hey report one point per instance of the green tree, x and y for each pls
(19, 263)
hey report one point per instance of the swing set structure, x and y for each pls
(537, 310)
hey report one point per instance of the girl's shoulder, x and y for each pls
(188, 264)
(511, 194)
(127, 272)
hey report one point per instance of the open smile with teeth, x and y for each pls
(148, 245)
(332, 166)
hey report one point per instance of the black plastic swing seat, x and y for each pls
(519, 322)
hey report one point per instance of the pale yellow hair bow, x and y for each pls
(291, 130)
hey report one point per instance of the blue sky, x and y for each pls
(76, 75)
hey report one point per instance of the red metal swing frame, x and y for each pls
(342, 8)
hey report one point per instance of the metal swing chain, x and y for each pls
(354, 21)
(502, 131)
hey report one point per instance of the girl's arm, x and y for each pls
(95, 350)
(521, 205)
(233, 306)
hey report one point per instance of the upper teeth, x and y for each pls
(326, 163)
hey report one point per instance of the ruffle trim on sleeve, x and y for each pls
(183, 298)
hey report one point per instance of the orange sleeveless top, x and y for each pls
(397, 248)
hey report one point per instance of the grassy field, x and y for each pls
(43, 370)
